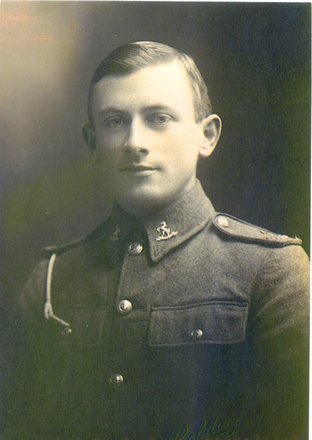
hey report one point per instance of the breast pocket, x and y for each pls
(85, 326)
(205, 323)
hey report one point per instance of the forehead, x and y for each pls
(166, 83)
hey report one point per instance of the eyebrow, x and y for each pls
(107, 110)
(153, 108)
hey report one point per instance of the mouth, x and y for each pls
(143, 170)
(133, 167)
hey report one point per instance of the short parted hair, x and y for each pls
(126, 59)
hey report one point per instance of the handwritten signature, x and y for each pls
(209, 429)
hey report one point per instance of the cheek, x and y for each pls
(108, 159)
(109, 148)
(182, 164)
(186, 152)
(110, 141)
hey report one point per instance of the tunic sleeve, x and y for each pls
(279, 320)
(27, 367)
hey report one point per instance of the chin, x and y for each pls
(140, 202)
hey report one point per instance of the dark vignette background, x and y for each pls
(255, 58)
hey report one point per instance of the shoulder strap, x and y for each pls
(49, 250)
(103, 228)
(241, 230)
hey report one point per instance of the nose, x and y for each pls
(137, 140)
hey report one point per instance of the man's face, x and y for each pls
(146, 136)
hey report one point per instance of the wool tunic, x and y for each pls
(186, 324)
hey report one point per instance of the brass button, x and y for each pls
(223, 221)
(135, 248)
(197, 333)
(116, 379)
(124, 307)
(67, 331)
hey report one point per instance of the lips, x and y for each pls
(137, 168)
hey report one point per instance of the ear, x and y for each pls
(89, 137)
(211, 127)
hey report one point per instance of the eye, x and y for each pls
(114, 122)
(160, 119)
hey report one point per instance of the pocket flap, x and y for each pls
(210, 323)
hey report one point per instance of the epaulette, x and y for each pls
(103, 228)
(244, 231)
(49, 250)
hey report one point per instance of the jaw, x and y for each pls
(142, 195)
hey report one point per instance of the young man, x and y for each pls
(169, 321)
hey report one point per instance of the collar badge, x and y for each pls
(165, 232)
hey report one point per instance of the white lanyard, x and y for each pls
(48, 311)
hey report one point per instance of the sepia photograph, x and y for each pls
(155, 220)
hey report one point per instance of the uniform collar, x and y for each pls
(172, 226)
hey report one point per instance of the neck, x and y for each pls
(147, 209)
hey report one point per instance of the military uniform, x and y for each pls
(164, 326)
